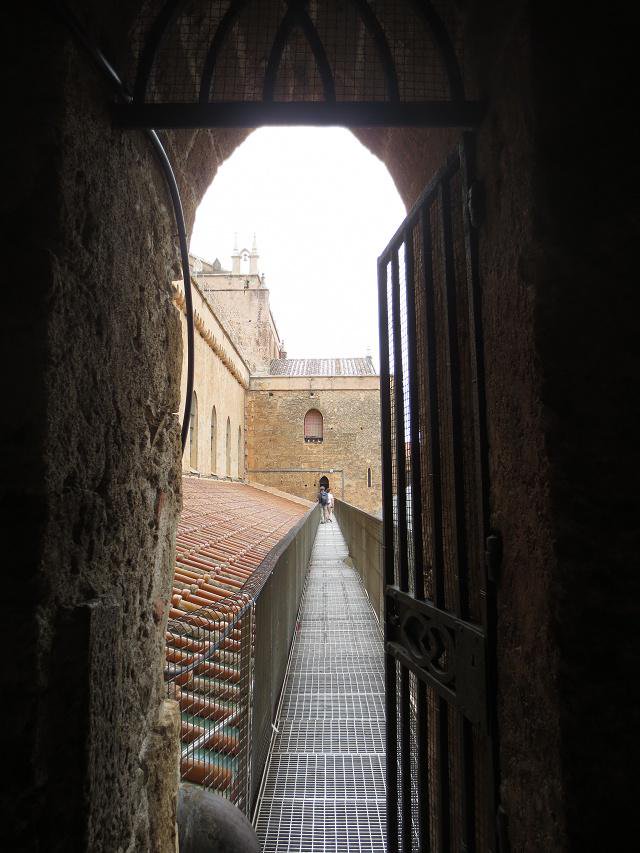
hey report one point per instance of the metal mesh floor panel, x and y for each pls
(351, 706)
(336, 682)
(331, 776)
(321, 826)
(324, 787)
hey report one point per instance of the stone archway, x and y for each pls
(91, 477)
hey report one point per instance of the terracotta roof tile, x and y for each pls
(322, 367)
(224, 533)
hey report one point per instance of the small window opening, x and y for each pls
(228, 467)
(240, 455)
(369, 477)
(313, 426)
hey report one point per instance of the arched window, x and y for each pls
(313, 426)
(214, 440)
(193, 433)
(228, 469)
(240, 455)
(369, 477)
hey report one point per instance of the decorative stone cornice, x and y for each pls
(217, 340)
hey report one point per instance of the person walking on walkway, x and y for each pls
(323, 500)
(330, 504)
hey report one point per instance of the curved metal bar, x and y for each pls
(186, 274)
(224, 27)
(320, 55)
(166, 17)
(123, 94)
(374, 27)
(445, 46)
(277, 49)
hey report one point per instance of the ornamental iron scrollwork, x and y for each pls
(446, 652)
(431, 645)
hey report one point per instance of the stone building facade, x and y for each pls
(347, 454)
(253, 409)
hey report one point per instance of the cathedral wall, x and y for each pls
(246, 315)
(278, 456)
(220, 380)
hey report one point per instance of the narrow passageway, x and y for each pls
(324, 787)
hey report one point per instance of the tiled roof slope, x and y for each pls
(224, 533)
(322, 367)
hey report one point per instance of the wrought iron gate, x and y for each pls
(438, 596)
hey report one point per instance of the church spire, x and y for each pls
(253, 257)
(235, 256)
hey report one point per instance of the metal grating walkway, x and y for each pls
(324, 789)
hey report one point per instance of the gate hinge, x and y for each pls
(493, 556)
(475, 203)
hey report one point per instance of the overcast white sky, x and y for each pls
(323, 208)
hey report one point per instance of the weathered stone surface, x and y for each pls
(350, 407)
(207, 823)
(161, 764)
(90, 457)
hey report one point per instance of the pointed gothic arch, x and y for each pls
(289, 68)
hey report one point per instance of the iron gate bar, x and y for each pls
(422, 733)
(401, 457)
(432, 424)
(467, 114)
(390, 698)
(400, 526)
(451, 339)
(432, 429)
(425, 199)
(451, 656)
(414, 425)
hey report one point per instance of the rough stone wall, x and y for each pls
(585, 324)
(90, 459)
(220, 380)
(351, 443)
(90, 450)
